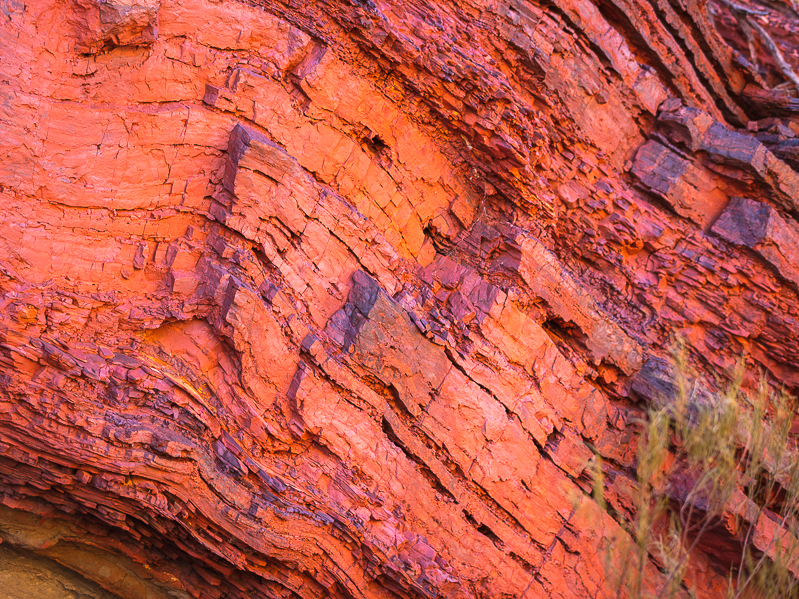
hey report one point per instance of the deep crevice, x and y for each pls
(431, 477)
(484, 530)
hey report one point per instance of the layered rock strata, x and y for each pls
(337, 299)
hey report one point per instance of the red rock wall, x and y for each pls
(336, 299)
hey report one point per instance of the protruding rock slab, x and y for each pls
(697, 131)
(548, 279)
(760, 227)
(690, 191)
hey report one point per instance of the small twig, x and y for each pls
(750, 40)
(743, 553)
(772, 46)
(752, 523)
(744, 9)
(690, 501)
(684, 557)
(622, 578)
(790, 500)
(763, 557)
(785, 7)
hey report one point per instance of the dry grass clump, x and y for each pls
(742, 473)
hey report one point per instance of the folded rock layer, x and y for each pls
(338, 299)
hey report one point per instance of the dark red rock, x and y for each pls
(690, 191)
(760, 227)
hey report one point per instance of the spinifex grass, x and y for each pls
(736, 451)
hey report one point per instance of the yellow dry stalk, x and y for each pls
(739, 455)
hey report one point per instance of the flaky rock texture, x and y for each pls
(337, 299)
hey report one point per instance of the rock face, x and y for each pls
(337, 299)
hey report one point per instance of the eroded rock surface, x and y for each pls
(337, 299)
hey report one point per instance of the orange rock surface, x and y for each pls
(337, 299)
